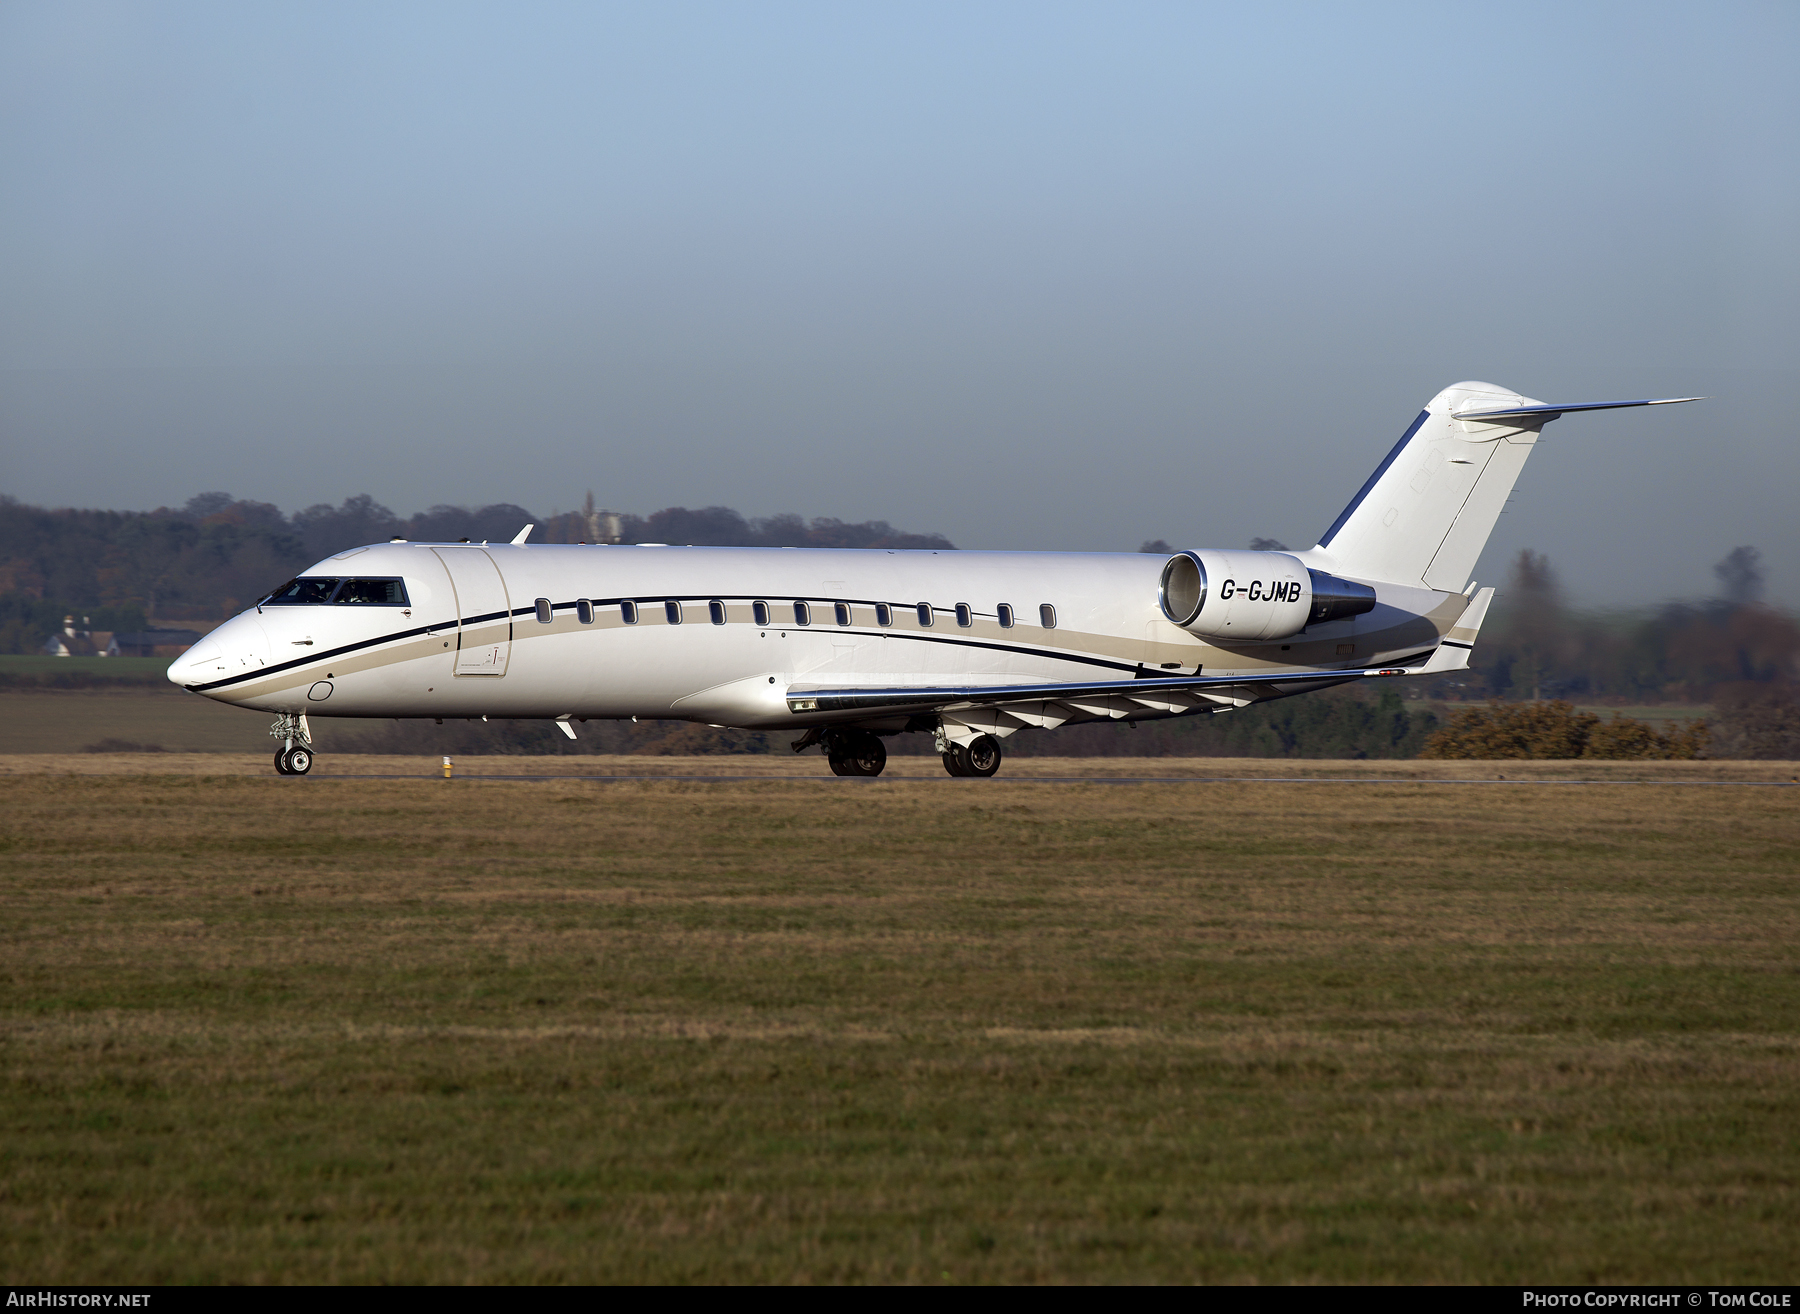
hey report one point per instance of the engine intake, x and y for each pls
(1252, 596)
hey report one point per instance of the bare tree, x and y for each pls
(1742, 575)
(1537, 624)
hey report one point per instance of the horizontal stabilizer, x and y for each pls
(1551, 412)
(1424, 516)
(1452, 652)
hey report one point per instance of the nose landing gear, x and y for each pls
(295, 756)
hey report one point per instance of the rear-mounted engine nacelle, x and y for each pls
(1247, 596)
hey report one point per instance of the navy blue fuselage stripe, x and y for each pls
(1380, 470)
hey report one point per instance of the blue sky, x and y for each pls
(1034, 275)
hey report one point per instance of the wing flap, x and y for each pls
(1044, 716)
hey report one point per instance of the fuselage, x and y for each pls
(722, 635)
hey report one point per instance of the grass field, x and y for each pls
(59, 722)
(265, 1030)
(27, 671)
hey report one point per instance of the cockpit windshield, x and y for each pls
(371, 593)
(302, 592)
(312, 590)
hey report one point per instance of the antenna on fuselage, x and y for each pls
(520, 537)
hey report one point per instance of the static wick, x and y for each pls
(446, 768)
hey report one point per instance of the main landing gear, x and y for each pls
(855, 753)
(850, 752)
(295, 756)
(979, 757)
(861, 753)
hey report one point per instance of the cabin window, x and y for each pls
(672, 611)
(1047, 616)
(545, 612)
(715, 611)
(628, 612)
(302, 592)
(584, 611)
(884, 614)
(802, 614)
(371, 593)
(759, 612)
(843, 612)
(925, 614)
(964, 617)
(1005, 613)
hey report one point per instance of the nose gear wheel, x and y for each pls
(294, 761)
(295, 756)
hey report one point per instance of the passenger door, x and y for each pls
(483, 611)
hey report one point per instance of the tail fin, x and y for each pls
(1425, 514)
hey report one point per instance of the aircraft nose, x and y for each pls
(193, 665)
(236, 646)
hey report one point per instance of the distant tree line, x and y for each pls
(218, 554)
(1535, 647)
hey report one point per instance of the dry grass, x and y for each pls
(811, 766)
(569, 1030)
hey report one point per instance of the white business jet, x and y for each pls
(849, 647)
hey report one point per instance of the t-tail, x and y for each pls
(1425, 514)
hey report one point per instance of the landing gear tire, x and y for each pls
(294, 761)
(857, 754)
(980, 757)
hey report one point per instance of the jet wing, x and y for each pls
(1106, 697)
